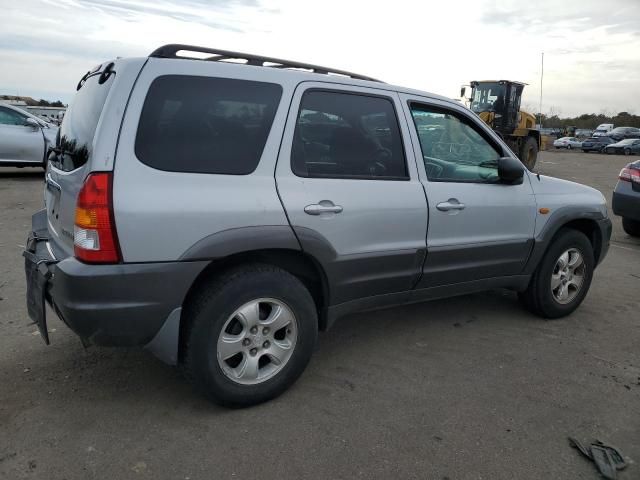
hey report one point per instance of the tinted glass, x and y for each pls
(205, 125)
(11, 117)
(347, 136)
(453, 149)
(74, 141)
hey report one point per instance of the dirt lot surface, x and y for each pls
(468, 388)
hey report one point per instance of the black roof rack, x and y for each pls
(171, 51)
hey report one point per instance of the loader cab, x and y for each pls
(497, 102)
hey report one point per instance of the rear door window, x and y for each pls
(346, 135)
(205, 125)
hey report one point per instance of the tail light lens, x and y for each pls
(94, 233)
(629, 174)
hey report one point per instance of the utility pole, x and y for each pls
(541, 77)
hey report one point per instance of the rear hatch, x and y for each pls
(69, 161)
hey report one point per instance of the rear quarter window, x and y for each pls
(205, 125)
(74, 141)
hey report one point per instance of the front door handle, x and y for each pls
(325, 206)
(451, 204)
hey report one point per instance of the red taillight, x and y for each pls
(94, 233)
(629, 174)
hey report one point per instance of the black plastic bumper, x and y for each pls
(112, 305)
(627, 206)
(119, 305)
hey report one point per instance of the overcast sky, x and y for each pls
(592, 47)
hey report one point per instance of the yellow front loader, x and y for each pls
(497, 103)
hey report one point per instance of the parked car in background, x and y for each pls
(24, 138)
(595, 144)
(626, 198)
(603, 130)
(628, 146)
(621, 133)
(567, 142)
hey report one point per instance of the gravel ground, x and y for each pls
(467, 388)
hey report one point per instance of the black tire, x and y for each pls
(538, 297)
(632, 227)
(585, 151)
(568, 147)
(627, 151)
(529, 153)
(213, 305)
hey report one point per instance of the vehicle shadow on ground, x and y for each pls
(75, 377)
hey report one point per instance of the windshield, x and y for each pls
(75, 137)
(488, 97)
(628, 141)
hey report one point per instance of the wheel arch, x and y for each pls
(296, 262)
(585, 222)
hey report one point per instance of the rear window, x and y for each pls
(75, 137)
(205, 125)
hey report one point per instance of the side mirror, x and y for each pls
(30, 122)
(463, 90)
(510, 170)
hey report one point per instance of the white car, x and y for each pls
(24, 138)
(567, 142)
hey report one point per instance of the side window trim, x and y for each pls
(390, 96)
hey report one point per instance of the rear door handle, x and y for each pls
(451, 204)
(324, 206)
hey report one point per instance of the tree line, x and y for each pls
(33, 102)
(591, 120)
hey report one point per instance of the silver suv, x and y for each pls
(221, 214)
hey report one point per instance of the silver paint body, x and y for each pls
(385, 236)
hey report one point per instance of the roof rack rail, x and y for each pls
(171, 51)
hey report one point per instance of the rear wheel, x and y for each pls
(632, 227)
(568, 147)
(627, 151)
(563, 276)
(249, 336)
(529, 153)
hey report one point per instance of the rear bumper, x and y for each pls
(119, 305)
(626, 205)
(112, 305)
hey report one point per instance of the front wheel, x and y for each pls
(568, 147)
(250, 334)
(529, 153)
(627, 151)
(563, 277)
(632, 227)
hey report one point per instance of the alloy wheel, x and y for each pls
(257, 341)
(568, 276)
